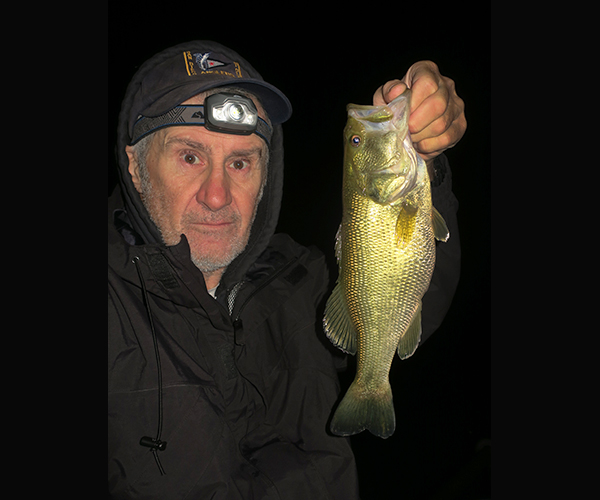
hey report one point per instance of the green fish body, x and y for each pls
(386, 253)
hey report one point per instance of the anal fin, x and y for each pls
(338, 324)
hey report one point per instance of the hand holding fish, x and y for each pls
(437, 122)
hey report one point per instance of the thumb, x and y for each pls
(388, 92)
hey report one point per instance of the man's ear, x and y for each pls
(134, 169)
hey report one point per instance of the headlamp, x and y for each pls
(231, 114)
(225, 113)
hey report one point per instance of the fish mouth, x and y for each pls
(393, 116)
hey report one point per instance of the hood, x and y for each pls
(268, 210)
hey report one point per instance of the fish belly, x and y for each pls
(383, 284)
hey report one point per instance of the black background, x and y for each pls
(442, 445)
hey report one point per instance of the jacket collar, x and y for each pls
(168, 272)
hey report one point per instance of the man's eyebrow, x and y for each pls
(183, 141)
(247, 152)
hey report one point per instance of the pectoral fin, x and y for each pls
(338, 324)
(440, 228)
(407, 222)
(412, 338)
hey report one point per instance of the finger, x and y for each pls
(395, 90)
(424, 79)
(431, 110)
(434, 146)
(431, 124)
(429, 149)
(454, 115)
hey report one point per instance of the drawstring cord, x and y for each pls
(155, 444)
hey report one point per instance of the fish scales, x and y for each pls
(378, 291)
(386, 253)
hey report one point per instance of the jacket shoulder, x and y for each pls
(285, 244)
(310, 258)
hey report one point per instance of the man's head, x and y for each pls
(188, 167)
(204, 184)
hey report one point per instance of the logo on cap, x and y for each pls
(205, 63)
(202, 64)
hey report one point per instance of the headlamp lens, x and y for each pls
(236, 112)
(232, 114)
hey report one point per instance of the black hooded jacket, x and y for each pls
(228, 398)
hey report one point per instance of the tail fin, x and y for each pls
(362, 409)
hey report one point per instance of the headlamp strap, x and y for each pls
(184, 116)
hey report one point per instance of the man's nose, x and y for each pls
(215, 192)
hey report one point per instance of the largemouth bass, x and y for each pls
(386, 253)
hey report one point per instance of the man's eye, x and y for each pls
(191, 159)
(240, 165)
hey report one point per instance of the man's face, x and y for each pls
(205, 185)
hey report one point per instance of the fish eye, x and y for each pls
(356, 140)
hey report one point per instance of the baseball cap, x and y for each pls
(190, 69)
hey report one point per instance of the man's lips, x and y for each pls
(213, 225)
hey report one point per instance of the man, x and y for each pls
(219, 383)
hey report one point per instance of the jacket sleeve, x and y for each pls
(438, 299)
